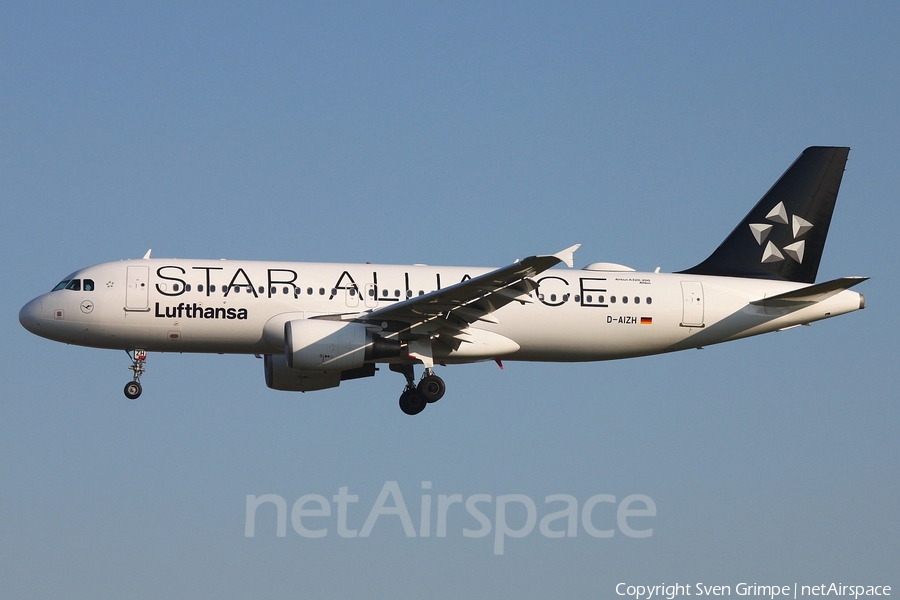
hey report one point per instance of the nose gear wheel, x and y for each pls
(133, 388)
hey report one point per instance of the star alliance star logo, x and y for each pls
(771, 252)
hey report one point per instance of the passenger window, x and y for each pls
(612, 299)
(212, 288)
(175, 287)
(200, 288)
(649, 300)
(321, 291)
(187, 287)
(262, 290)
(309, 291)
(74, 285)
(637, 300)
(89, 285)
(624, 299)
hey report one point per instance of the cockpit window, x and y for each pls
(75, 285)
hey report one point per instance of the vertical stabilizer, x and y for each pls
(784, 235)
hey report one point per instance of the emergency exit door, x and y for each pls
(137, 289)
(692, 293)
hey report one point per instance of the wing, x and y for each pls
(444, 315)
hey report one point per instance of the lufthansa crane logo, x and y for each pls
(87, 306)
(771, 252)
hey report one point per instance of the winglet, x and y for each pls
(568, 255)
(146, 256)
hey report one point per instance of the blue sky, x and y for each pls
(468, 134)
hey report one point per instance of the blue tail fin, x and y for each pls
(784, 235)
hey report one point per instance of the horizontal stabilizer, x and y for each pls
(811, 293)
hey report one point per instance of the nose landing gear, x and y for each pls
(415, 398)
(133, 388)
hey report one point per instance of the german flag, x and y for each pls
(646, 320)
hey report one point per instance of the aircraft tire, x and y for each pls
(432, 388)
(412, 402)
(132, 390)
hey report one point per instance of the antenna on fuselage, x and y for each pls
(147, 256)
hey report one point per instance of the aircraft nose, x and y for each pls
(30, 316)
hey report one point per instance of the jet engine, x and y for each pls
(279, 376)
(319, 345)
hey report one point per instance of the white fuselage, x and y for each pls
(225, 306)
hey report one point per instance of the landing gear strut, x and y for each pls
(415, 398)
(133, 388)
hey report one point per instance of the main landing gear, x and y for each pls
(133, 388)
(415, 398)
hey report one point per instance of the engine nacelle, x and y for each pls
(279, 376)
(320, 345)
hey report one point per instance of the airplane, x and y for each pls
(318, 324)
